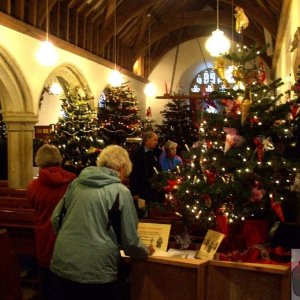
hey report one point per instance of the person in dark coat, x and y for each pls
(45, 192)
(145, 161)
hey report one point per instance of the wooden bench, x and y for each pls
(10, 275)
(14, 198)
(16, 216)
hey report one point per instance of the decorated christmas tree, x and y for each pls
(117, 114)
(245, 162)
(3, 131)
(77, 134)
(177, 124)
(3, 149)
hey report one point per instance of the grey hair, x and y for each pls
(114, 157)
(148, 135)
(48, 156)
(170, 145)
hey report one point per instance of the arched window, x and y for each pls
(207, 79)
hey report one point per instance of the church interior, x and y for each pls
(218, 80)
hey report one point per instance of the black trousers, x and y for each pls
(64, 289)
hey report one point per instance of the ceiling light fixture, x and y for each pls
(217, 44)
(149, 88)
(115, 78)
(55, 87)
(47, 55)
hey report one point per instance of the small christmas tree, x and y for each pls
(117, 114)
(247, 157)
(177, 124)
(77, 134)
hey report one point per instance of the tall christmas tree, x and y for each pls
(117, 114)
(177, 124)
(245, 162)
(77, 134)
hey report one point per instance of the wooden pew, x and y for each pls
(16, 216)
(10, 276)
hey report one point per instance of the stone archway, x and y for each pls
(70, 78)
(19, 116)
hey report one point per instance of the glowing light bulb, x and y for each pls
(149, 89)
(115, 78)
(217, 44)
(47, 55)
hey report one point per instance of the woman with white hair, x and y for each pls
(95, 217)
(168, 159)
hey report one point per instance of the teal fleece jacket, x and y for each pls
(85, 250)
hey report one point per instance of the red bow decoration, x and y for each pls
(211, 176)
(231, 106)
(254, 120)
(294, 111)
(172, 184)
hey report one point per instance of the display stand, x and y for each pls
(247, 281)
(166, 278)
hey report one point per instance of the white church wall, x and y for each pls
(189, 63)
(23, 48)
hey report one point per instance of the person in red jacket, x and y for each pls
(45, 192)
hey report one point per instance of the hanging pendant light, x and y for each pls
(115, 79)
(149, 89)
(217, 44)
(55, 88)
(47, 55)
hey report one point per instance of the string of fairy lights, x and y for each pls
(192, 189)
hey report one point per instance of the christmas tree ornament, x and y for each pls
(238, 74)
(268, 144)
(277, 208)
(220, 67)
(242, 20)
(261, 71)
(232, 139)
(257, 193)
(258, 141)
(222, 224)
(245, 108)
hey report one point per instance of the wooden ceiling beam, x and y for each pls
(143, 28)
(42, 11)
(32, 13)
(194, 18)
(5, 6)
(73, 2)
(19, 8)
(127, 10)
(162, 48)
(265, 9)
(65, 21)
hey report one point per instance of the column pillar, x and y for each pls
(20, 130)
